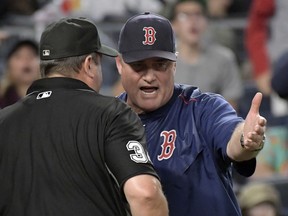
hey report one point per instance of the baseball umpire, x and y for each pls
(67, 150)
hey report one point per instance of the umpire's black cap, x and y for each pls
(147, 35)
(72, 37)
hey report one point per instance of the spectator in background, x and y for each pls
(109, 9)
(265, 49)
(14, 11)
(3, 37)
(22, 68)
(209, 66)
(239, 8)
(259, 199)
(217, 10)
(267, 43)
(23, 7)
(280, 77)
(273, 160)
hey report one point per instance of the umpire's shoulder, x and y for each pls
(105, 100)
(112, 104)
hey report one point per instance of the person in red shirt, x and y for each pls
(266, 42)
(267, 46)
(257, 40)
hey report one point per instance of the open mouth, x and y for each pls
(148, 90)
(193, 30)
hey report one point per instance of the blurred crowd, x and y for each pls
(231, 47)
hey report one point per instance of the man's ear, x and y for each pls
(87, 66)
(174, 68)
(119, 64)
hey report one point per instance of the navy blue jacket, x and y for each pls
(187, 140)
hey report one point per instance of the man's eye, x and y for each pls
(161, 65)
(137, 67)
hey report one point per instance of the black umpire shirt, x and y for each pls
(67, 150)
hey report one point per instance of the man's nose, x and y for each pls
(149, 75)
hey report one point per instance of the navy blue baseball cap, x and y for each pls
(145, 36)
(70, 37)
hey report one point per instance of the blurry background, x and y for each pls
(249, 29)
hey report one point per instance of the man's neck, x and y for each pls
(52, 75)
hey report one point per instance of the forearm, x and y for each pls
(234, 149)
(145, 196)
(145, 207)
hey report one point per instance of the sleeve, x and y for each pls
(245, 168)
(217, 120)
(257, 34)
(125, 147)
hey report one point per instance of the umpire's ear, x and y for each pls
(119, 64)
(88, 67)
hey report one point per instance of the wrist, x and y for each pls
(260, 147)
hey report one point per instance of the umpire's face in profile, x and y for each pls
(149, 83)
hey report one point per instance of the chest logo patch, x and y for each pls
(149, 36)
(168, 145)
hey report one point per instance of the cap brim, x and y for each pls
(145, 54)
(105, 50)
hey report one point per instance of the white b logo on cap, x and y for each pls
(149, 35)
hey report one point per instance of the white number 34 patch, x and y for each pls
(140, 155)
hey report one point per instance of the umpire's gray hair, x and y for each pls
(65, 66)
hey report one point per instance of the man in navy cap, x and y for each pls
(193, 138)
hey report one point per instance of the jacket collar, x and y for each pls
(57, 83)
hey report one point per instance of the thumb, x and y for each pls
(256, 102)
